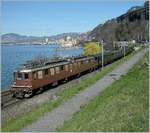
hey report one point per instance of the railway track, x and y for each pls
(7, 99)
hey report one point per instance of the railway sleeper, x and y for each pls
(40, 90)
(65, 80)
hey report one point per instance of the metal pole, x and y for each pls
(124, 51)
(102, 55)
(56, 53)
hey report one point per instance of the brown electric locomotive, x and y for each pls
(31, 79)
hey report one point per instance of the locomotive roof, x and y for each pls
(44, 67)
(84, 58)
(55, 64)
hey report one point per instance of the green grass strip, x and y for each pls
(21, 121)
(124, 106)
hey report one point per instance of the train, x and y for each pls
(35, 77)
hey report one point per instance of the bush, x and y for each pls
(92, 48)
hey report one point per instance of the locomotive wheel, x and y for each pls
(40, 90)
(19, 95)
(28, 94)
(55, 83)
(90, 69)
(13, 95)
(79, 74)
(65, 80)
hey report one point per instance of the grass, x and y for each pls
(124, 106)
(19, 122)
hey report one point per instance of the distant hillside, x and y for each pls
(59, 36)
(16, 38)
(133, 25)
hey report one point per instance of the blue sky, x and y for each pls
(40, 18)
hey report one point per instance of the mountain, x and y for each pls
(63, 35)
(12, 37)
(133, 25)
(16, 38)
(21, 39)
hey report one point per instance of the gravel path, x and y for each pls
(50, 121)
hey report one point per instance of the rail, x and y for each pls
(4, 93)
(7, 99)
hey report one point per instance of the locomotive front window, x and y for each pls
(26, 76)
(15, 75)
(19, 76)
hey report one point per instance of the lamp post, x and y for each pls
(124, 50)
(102, 42)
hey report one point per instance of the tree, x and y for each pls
(92, 48)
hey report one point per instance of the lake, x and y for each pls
(12, 56)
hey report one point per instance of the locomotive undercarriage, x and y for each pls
(22, 93)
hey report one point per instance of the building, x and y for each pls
(68, 41)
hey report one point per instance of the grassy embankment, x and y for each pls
(21, 121)
(123, 106)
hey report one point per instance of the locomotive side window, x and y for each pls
(96, 58)
(46, 71)
(91, 60)
(34, 75)
(87, 61)
(40, 75)
(70, 67)
(57, 70)
(61, 68)
(66, 67)
(26, 75)
(75, 64)
(52, 71)
(79, 64)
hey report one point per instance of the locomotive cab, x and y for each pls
(22, 84)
